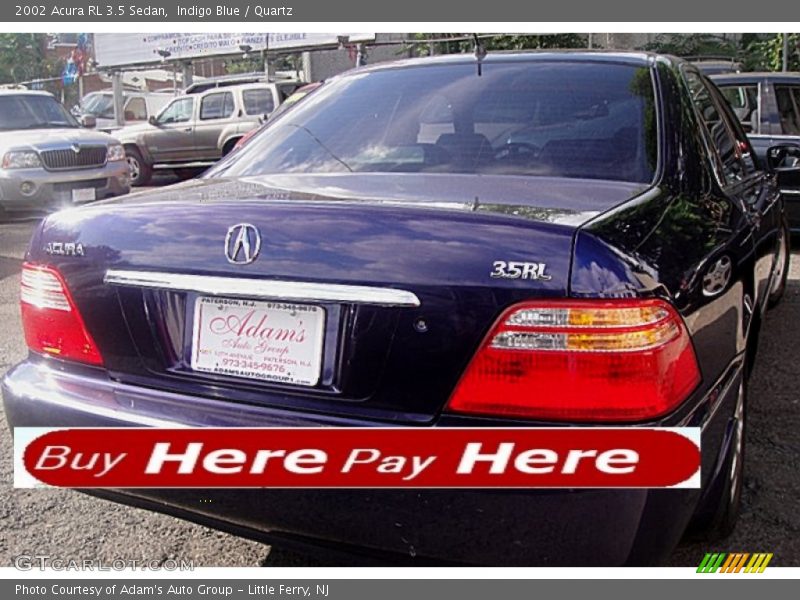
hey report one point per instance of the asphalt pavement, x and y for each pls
(72, 526)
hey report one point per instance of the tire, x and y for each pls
(716, 519)
(141, 172)
(784, 256)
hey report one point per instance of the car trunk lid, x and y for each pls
(397, 270)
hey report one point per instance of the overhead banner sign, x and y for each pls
(123, 49)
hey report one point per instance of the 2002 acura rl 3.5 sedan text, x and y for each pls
(521, 239)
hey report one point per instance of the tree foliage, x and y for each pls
(755, 51)
(765, 53)
(23, 57)
(453, 43)
(694, 45)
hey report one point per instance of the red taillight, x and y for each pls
(50, 318)
(592, 360)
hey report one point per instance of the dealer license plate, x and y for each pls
(271, 341)
(84, 195)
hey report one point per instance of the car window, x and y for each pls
(216, 106)
(29, 111)
(548, 118)
(744, 148)
(136, 110)
(178, 111)
(743, 99)
(285, 90)
(258, 101)
(788, 98)
(100, 106)
(728, 151)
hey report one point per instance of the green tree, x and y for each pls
(694, 45)
(765, 52)
(453, 43)
(23, 57)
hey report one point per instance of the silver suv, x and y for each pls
(47, 159)
(195, 130)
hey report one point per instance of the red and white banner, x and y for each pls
(359, 457)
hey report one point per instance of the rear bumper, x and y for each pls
(491, 527)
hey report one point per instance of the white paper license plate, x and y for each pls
(272, 341)
(84, 195)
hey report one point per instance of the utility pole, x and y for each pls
(116, 86)
(188, 73)
(265, 55)
(785, 52)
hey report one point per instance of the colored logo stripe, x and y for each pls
(758, 563)
(734, 562)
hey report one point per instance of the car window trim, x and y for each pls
(735, 128)
(717, 165)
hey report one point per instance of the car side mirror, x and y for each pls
(88, 121)
(784, 157)
(152, 120)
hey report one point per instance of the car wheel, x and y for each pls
(140, 171)
(782, 274)
(720, 509)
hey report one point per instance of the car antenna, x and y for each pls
(480, 52)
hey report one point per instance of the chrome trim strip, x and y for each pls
(300, 291)
(791, 192)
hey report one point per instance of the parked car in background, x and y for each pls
(615, 269)
(48, 160)
(714, 66)
(77, 109)
(768, 106)
(138, 107)
(195, 130)
(298, 95)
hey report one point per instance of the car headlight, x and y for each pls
(21, 159)
(115, 152)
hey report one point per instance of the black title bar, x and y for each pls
(496, 11)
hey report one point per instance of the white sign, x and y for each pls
(120, 49)
(273, 341)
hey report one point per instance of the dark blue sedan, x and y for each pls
(520, 239)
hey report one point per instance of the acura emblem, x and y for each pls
(242, 243)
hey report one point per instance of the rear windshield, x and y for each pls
(561, 119)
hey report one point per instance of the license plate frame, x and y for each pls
(258, 340)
